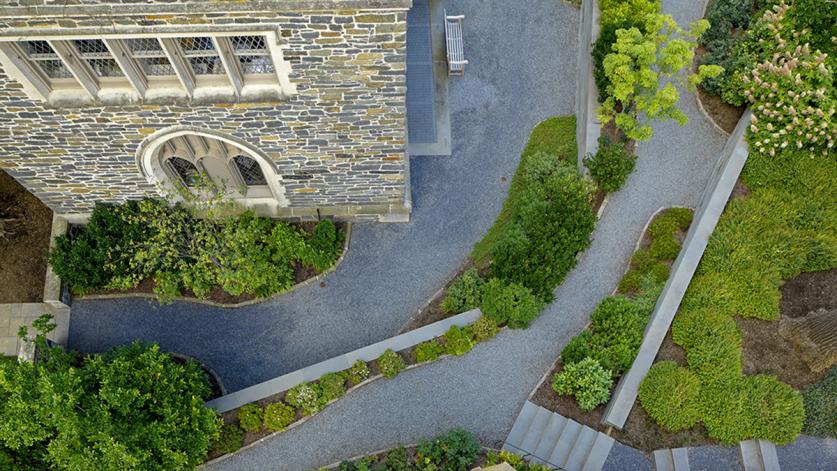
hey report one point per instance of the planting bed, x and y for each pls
(25, 225)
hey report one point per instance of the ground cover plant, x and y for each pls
(180, 250)
(131, 407)
(821, 407)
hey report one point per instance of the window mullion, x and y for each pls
(179, 63)
(78, 66)
(230, 61)
(33, 74)
(130, 68)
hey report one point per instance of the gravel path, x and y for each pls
(390, 269)
(484, 390)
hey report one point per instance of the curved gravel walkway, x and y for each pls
(523, 72)
(484, 390)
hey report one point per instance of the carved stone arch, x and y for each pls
(151, 167)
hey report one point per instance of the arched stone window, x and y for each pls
(184, 170)
(249, 171)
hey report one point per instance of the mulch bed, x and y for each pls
(27, 224)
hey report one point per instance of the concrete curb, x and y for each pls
(586, 136)
(368, 353)
(714, 200)
(206, 302)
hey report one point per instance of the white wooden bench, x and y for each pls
(455, 44)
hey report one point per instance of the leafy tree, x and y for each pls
(644, 69)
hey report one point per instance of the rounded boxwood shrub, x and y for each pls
(428, 351)
(230, 440)
(324, 246)
(458, 341)
(358, 373)
(776, 410)
(306, 396)
(464, 294)
(714, 360)
(510, 304)
(587, 381)
(332, 386)
(694, 326)
(578, 348)
(483, 329)
(390, 364)
(611, 165)
(278, 415)
(250, 417)
(671, 396)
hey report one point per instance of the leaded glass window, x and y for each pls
(98, 57)
(202, 55)
(45, 58)
(187, 171)
(250, 170)
(252, 53)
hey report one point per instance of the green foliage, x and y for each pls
(670, 395)
(483, 329)
(250, 417)
(515, 461)
(455, 451)
(602, 47)
(587, 381)
(620, 11)
(458, 341)
(693, 327)
(651, 263)
(510, 304)
(306, 396)
(130, 407)
(230, 439)
(611, 165)
(821, 406)
(324, 246)
(278, 415)
(358, 373)
(332, 386)
(390, 364)
(554, 136)
(428, 351)
(643, 69)
(464, 294)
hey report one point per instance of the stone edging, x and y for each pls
(714, 200)
(347, 236)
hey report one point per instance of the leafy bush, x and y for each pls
(306, 396)
(455, 451)
(390, 363)
(515, 461)
(578, 348)
(358, 373)
(230, 439)
(670, 395)
(458, 341)
(397, 460)
(611, 165)
(332, 386)
(701, 325)
(428, 351)
(324, 246)
(278, 415)
(250, 417)
(132, 404)
(821, 406)
(602, 47)
(464, 294)
(587, 381)
(510, 304)
(483, 329)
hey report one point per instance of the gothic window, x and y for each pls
(96, 53)
(185, 170)
(202, 55)
(150, 56)
(249, 170)
(252, 54)
(44, 57)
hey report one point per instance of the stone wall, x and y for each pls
(338, 144)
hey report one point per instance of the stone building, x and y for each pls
(296, 106)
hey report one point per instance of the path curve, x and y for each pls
(484, 390)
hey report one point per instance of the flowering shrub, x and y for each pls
(791, 92)
(306, 396)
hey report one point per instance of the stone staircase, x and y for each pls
(671, 459)
(754, 455)
(759, 455)
(544, 437)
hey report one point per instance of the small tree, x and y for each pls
(644, 70)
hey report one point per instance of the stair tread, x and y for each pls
(769, 458)
(548, 439)
(663, 460)
(536, 428)
(751, 455)
(581, 449)
(598, 453)
(521, 424)
(680, 457)
(565, 442)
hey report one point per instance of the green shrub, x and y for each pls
(671, 396)
(332, 386)
(250, 417)
(358, 373)
(457, 341)
(390, 364)
(587, 381)
(455, 451)
(483, 329)
(821, 406)
(618, 325)
(278, 415)
(305, 396)
(230, 440)
(714, 360)
(617, 11)
(464, 294)
(324, 246)
(515, 461)
(578, 348)
(428, 351)
(397, 460)
(510, 304)
(665, 248)
(697, 326)
(611, 165)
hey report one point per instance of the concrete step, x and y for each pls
(536, 430)
(759, 455)
(581, 449)
(672, 459)
(550, 436)
(521, 425)
(598, 454)
(681, 459)
(768, 455)
(565, 443)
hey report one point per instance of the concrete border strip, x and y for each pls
(713, 202)
(586, 136)
(332, 365)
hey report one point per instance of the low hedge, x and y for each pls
(458, 341)
(509, 304)
(278, 415)
(464, 294)
(250, 417)
(671, 396)
(390, 363)
(821, 406)
(457, 450)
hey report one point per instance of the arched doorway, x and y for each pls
(181, 157)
